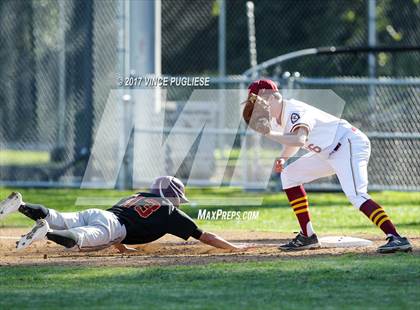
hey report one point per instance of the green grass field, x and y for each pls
(331, 212)
(347, 282)
(352, 281)
(22, 158)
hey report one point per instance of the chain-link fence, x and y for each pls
(59, 59)
(190, 35)
(387, 111)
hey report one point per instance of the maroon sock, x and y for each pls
(299, 202)
(378, 216)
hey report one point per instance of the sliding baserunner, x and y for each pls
(138, 219)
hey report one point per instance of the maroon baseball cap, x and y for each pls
(256, 86)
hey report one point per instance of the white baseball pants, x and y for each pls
(349, 163)
(95, 229)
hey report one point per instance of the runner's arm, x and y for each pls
(181, 225)
(216, 241)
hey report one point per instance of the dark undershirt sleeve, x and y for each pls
(181, 225)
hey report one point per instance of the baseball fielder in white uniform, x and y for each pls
(334, 147)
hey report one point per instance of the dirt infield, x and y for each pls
(169, 251)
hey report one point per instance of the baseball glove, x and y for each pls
(257, 114)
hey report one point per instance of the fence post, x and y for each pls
(222, 71)
(371, 57)
(222, 38)
(61, 77)
(84, 117)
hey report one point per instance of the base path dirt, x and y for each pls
(171, 251)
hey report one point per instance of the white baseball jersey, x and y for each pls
(335, 147)
(325, 130)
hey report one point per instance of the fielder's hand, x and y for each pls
(279, 165)
(257, 114)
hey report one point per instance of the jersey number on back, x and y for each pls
(143, 206)
(147, 208)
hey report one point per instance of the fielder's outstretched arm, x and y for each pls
(289, 151)
(217, 242)
(296, 139)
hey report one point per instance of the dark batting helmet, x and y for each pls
(171, 188)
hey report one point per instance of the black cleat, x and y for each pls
(395, 244)
(301, 242)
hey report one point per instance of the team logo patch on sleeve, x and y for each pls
(294, 117)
